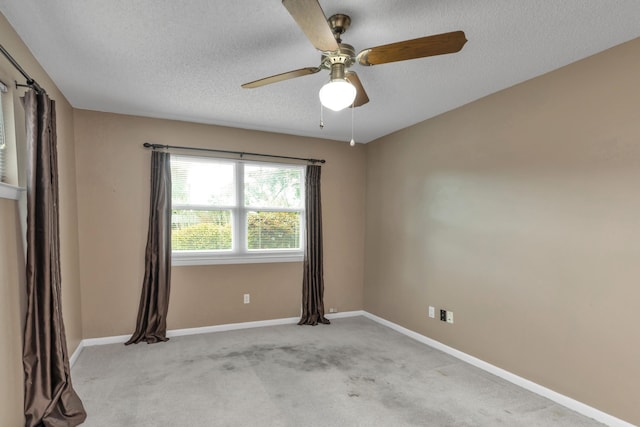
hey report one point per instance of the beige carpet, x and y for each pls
(353, 372)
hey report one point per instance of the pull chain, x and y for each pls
(321, 119)
(353, 110)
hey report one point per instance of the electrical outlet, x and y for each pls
(333, 310)
(247, 298)
(449, 316)
(432, 312)
(443, 315)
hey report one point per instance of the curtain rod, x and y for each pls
(30, 82)
(239, 153)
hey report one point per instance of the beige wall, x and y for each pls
(113, 189)
(521, 214)
(12, 280)
(11, 249)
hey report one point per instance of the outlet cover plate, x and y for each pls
(432, 312)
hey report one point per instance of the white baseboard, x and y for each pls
(117, 339)
(76, 354)
(343, 314)
(232, 327)
(560, 399)
(88, 342)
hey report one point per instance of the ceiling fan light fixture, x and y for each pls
(337, 95)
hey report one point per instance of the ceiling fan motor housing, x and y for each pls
(345, 55)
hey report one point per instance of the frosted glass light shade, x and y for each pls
(338, 94)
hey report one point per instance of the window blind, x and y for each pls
(3, 146)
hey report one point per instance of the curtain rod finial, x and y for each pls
(154, 146)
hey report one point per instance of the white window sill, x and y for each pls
(8, 191)
(204, 258)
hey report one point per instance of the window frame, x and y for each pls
(240, 253)
(3, 142)
(10, 188)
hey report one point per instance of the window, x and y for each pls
(233, 211)
(9, 151)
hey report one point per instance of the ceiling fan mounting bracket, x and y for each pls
(339, 23)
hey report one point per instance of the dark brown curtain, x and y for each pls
(49, 398)
(313, 275)
(154, 300)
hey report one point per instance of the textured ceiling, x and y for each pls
(186, 60)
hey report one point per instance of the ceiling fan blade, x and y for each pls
(361, 94)
(280, 77)
(311, 19)
(438, 44)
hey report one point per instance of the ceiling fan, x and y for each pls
(344, 88)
